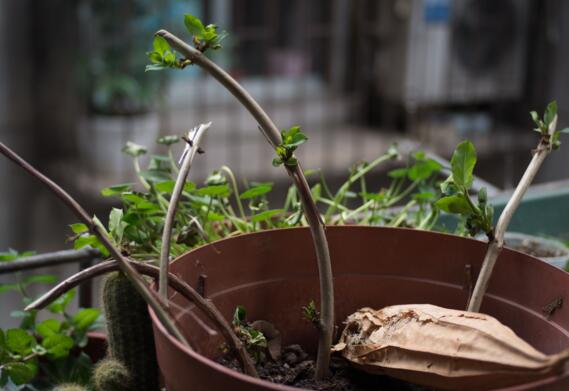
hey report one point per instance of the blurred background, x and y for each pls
(356, 75)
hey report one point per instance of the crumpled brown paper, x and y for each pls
(442, 348)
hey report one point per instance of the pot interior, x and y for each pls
(274, 274)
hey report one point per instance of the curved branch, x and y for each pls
(136, 279)
(195, 140)
(317, 228)
(174, 281)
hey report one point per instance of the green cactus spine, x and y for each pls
(111, 375)
(129, 328)
(69, 387)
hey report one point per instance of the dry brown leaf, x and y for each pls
(442, 348)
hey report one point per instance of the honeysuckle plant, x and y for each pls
(284, 143)
(480, 217)
(171, 214)
(194, 55)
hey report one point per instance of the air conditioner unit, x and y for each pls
(435, 52)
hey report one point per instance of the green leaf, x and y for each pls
(266, 215)
(168, 140)
(155, 57)
(79, 228)
(291, 162)
(293, 137)
(489, 209)
(194, 25)
(550, 113)
(454, 204)
(423, 196)
(61, 303)
(155, 67)
(297, 140)
(48, 327)
(85, 318)
(116, 224)
(99, 224)
(216, 178)
(565, 131)
(9, 287)
(277, 162)
(213, 216)
(214, 191)
(165, 187)
(160, 44)
(91, 241)
(58, 345)
(239, 315)
(448, 187)
(133, 149)
(137, 201)
(462, 164)
(482, 196)
(423, 169)
(19, 341)
(84, 241)
(22, 372)
(535, 117)
(116, 189)
(9, 255)
(170, 59)
(316, 191)
(398, 173)
(256, 191)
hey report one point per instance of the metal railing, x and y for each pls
(84, 257)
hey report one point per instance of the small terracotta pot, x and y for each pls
(273, 274)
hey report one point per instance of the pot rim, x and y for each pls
(274, 386)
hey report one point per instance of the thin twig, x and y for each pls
(136, 279)
(194, 137)
(174, 281)
(495, 246)
(317, 228)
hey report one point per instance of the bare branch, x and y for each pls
(317, 228)
(136, 279)
(195, 140)
(174, 281)
(495, 246)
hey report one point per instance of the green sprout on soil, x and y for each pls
(310, 313)
(254, 340)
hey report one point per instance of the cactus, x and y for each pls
(129, 327)
(69, 387)
(111, 375)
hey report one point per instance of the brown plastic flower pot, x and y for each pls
(273, 274)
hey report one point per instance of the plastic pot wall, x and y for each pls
(273, 274)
